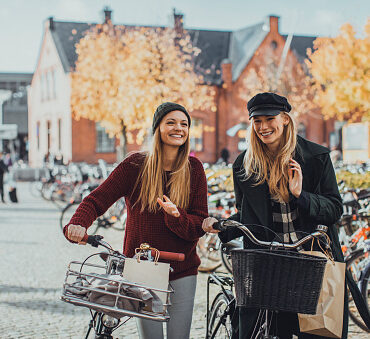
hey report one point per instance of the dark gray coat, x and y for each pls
(319, 203)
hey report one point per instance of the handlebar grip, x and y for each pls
(170, 255)
(219, 226)
(93, 240)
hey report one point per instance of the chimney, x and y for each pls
(51, 23)
(274, 23)
(226, 71)
(107, 14)
(178, 22)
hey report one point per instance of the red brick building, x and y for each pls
(227, 56)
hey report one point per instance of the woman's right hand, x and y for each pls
(76, 233)
(207, 225)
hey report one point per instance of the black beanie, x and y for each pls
(164, 109)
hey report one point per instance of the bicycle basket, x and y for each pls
(112, 294)
(277, 280)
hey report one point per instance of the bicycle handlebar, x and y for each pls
(222, 225)
(96, 240)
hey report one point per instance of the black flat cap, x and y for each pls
(267, 104)
(164, 109)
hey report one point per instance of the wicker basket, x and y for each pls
(277, 280)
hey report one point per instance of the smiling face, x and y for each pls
(174, 129)
(269, 129)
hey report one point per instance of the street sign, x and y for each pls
(8, 131)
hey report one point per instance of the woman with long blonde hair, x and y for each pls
(166, 197)
(284, 183)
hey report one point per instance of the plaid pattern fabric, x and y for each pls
(285, 219)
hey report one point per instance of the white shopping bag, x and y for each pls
(148, 273)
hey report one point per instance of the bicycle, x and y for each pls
(115, 217)
(109, 297)
(220, 314)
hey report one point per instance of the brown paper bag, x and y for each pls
(328, 320)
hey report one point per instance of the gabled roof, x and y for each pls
(213, 44)
(238, 47)
(300, 44)
(66, 35)
(244, 44)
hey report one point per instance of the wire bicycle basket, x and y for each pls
(111, 294)
(277, 280)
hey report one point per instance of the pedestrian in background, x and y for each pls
(166, 198)
(3, 170)
(287, 184)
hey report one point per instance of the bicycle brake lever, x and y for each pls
(94, 240)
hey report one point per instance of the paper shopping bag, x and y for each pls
(328, 320)
(148, 273)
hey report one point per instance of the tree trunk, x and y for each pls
(122, 147)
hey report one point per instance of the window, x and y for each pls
(53, 84)
(196, 135)
(48, 131)
(104, 144)
(42, 87)
(47, 84)
(59, 134)
(38, 134)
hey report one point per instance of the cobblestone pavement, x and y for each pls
(34, 258)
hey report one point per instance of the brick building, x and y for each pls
(226, 55)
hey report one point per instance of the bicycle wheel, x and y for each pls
(67, 214)
(208, 249)
(365, 287)
(220, 317)
(355, 264)
(226, 260)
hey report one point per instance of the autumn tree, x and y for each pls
(123, 73)
(287, 78)
(340, 68)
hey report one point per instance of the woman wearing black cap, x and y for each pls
(166, 198)
(287, 184)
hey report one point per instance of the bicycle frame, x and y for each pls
(222, 282)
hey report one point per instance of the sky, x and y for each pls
(21, 21)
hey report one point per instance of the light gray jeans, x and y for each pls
(180, 311)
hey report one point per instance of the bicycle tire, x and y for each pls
(67, 214)
(226, 260)
(353, 260)
(217, 310)
(365, 288)
(208, 250)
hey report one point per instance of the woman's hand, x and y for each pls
(295, 178)
(207, 225)
(168, 206)
(76, 233)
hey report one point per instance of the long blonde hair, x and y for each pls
(264, 166)
(152, 177)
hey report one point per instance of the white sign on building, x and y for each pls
(8, 131)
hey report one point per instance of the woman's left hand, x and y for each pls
(168, 206)
(295, 178)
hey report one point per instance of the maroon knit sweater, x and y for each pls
(160, 230)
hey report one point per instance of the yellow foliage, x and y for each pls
(123, 73)
(340, 68)
(293, 82)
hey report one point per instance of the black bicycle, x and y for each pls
(223, 306)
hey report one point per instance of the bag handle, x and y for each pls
(144, 249)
